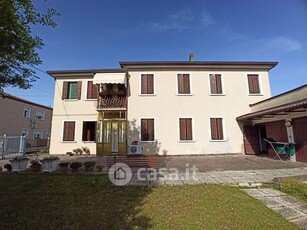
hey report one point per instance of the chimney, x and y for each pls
(191, 57)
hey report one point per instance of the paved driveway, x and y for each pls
(227, 163)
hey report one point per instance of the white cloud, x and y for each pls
(207, 19)
(282, 43)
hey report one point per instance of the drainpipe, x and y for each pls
(290, 136)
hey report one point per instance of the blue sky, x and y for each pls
(100, 33)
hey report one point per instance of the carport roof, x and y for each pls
(292, 107)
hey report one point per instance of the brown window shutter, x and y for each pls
(253, 84)
(64, 91)
(189, 129)
(213, 84)
(144, 84)
(218, 84)
(69, 131)
(186, 80)
(213, 129)
(182, 129)
(89, 90)
(79, 86)
(144, 134)
(150, 84)
(180, 83)
(95, 91)
(151, 129)
(219, 125)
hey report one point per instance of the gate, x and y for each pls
(12, 146)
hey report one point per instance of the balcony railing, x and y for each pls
(108, 102)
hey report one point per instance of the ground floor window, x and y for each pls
(69, 130)
(89, 131)
(147, 129)
(216, 128)
(38, 134)
(185, 129)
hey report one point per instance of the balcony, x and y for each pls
(111, 100)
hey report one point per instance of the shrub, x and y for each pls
(75, 165)
(20, 158)
(51, 158)
(86, 150)
(64, 164)
(8, 167)
(78, 151)
(69, 154)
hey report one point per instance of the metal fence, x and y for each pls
(12, 146)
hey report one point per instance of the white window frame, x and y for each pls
(140, 84)
(43, 117)
(191, 86)
(24, 109)
(193, 130)
(259, 82)
(26, 131)
(224, 129)
(72, 81)
(222, 81)
(140, 131)
(62, 132)
(85, 97)
(38, 130)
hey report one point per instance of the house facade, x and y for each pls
(19, 117)
(169, 108)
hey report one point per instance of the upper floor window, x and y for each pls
(25, 132)
(40, 115)
(92, 90)
(185, 129)
(147, 84)
(72, 90)
(253, 83)
(216, 84)
(183, 82)
(147, 129)
(216, 128)
(26, 112)
(69, 131)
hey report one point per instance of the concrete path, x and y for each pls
(246, 178)
(289, 207)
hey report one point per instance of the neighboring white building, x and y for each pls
(171, 108)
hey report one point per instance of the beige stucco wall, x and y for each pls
(71, 110)
(166, 107)
(12, 121)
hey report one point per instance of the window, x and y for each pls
(183, 81)
(47, 134)
(185, 129)
(89, 131)
(148, 129)
(92, 90)
(216, 84)
(216, 127)
(72, 90)
(26, 112)
(69, 131)
(38, 134)
(40, 115)
(25, 132)
(147, 84)
(253, 83)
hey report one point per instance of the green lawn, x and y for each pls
(294, 188)
(36, 201)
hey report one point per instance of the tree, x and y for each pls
(18, 47)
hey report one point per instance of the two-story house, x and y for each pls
(20, 117)
(170, 108)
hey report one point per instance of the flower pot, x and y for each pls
(50, 165)
(19, 165)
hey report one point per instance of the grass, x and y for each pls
(36, 201)
(293, 187)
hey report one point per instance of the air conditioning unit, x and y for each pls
(135, 149)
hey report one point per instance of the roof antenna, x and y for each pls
(191, 57)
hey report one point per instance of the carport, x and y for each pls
(282, 118)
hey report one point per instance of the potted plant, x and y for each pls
(78, 151)
(8, 167)
(75, 166)
(19, 163)
(50, 164)
(99, 168)
(63, 166)
(86, 150)
(69, 154)
(89, 165)
(35, 165)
